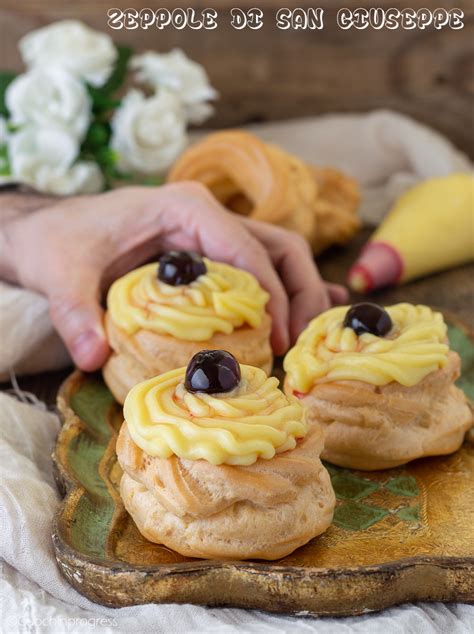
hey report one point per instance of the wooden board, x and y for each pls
(399, 535)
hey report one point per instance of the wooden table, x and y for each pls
(452, 291)
(273, 74)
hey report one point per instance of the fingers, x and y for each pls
(203, 224)
(245, 252)
(256, 260)
(292, 257)
(308, 293)
(78, 318)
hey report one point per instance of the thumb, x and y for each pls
(78, 318)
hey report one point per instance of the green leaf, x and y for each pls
(4, 162)
(97, 136)
(117, 77)
(106, 157)
(102, 100)
(6, 78)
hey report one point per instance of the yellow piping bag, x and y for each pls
(430, 228)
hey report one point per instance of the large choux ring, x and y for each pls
(266, 183)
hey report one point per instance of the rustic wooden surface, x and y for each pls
(452, 291)
(272, 74)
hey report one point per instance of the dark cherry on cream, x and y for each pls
(178, 268)
(368, 317)
(212, 372)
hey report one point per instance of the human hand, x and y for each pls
(72, 250)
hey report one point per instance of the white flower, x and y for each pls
(148, 134)
(84, 177)
(86, 53)
(176, 72)
(44, 158)
(44, 96)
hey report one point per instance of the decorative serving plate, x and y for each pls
(404, 534)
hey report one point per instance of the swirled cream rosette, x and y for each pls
(256, 420)
(382, 401)
(221, 300)
(326, 351)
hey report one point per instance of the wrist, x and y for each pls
(19, 200)
(16, 203)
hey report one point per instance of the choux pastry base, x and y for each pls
(262, 511)
(262, 181)
(371, 428)
(146, 353)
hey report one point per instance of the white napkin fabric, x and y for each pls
(387, 153)
(384, 151)
(29, 344)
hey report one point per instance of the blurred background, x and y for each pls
(271, 74)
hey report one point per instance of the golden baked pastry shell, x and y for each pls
(145, 354)
(370, 428)
(264, 511)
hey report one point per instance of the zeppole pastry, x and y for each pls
(266, 183)
(160, 314)
(381, 383)
(218, 463)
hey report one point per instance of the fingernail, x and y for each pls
(84, 344)
(90, 350)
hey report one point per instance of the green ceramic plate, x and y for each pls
(398, 535)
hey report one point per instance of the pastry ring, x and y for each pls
(264, 182)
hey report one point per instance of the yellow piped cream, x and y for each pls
(256, 420)
(326, 351)
(221, 300)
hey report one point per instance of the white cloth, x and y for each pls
(29, 342)
(387, 153)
